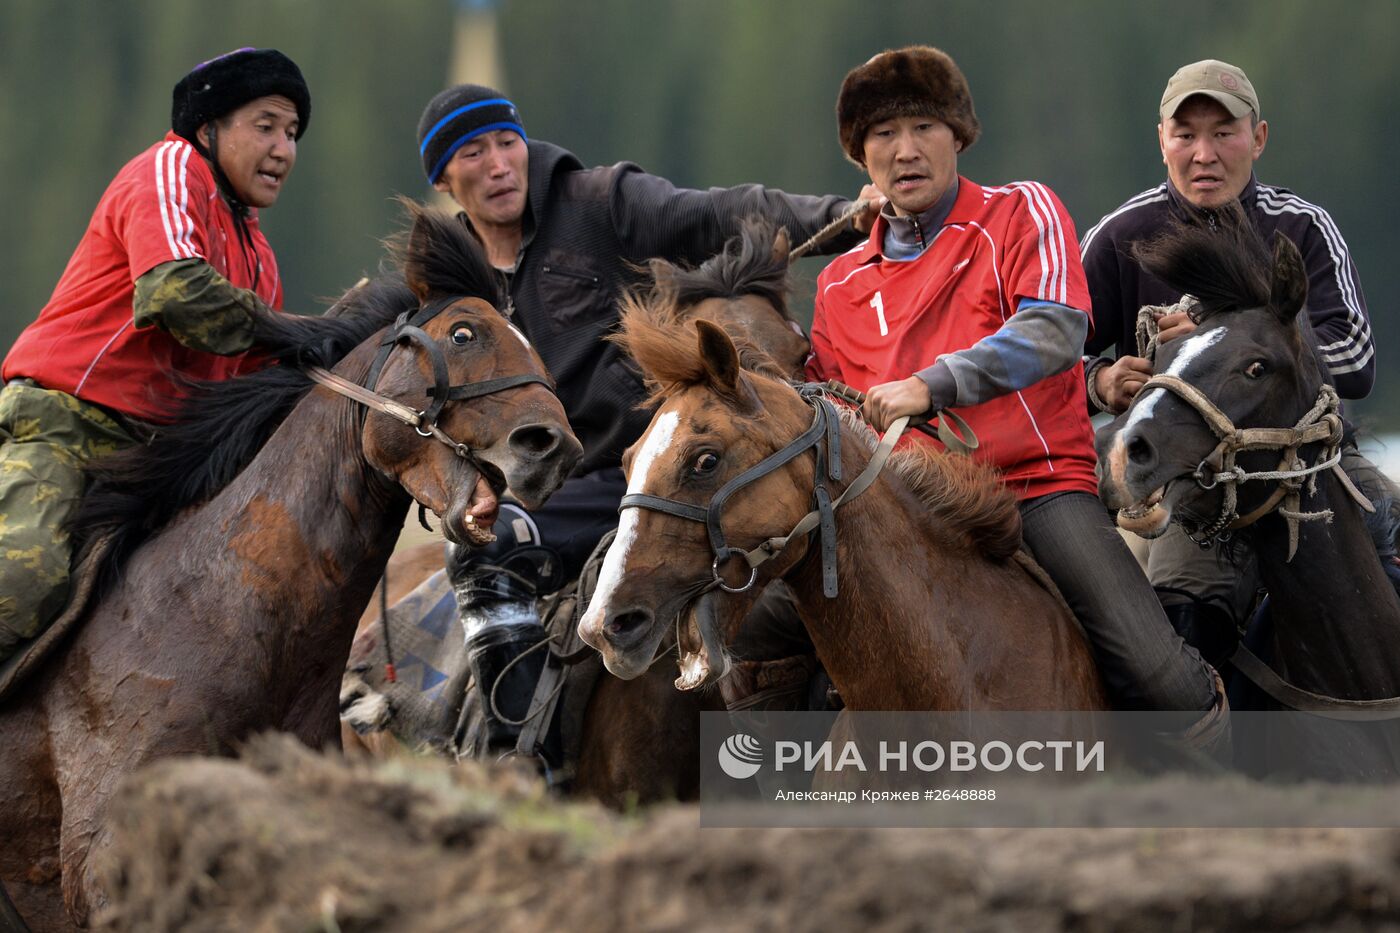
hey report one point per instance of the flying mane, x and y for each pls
(1226, 268)
(964, 494)
(746, 266)
(220, 427)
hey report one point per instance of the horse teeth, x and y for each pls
(471, 519)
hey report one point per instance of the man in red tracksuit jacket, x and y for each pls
(157, 293)
(972, 297)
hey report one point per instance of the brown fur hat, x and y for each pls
(916, 81)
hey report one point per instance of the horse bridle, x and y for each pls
(1322, 424)
(823, 437)
(408, 329)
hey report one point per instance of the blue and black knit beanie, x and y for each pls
(458, 115)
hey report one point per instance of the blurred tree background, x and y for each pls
(705, 92)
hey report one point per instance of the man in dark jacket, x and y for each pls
(1210, 134)
(562, 235)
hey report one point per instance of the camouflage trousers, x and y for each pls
(46, 438)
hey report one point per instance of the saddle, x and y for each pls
(16, 669)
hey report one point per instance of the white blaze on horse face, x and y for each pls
(1194, 346)
(1145, 405)
(616, 562)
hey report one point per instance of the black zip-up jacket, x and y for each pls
(1336, 307)
(581, 229)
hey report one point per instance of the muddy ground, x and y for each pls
(286, 839)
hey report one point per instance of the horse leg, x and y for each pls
(315, 717)
(641, 740)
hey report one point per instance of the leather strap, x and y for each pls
(1263, 676)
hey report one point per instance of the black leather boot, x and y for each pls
(497, 610)
(1208, 628)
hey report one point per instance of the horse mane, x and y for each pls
(663, 344)
(747, 265)
(1226, 268)
(221, 426)
(442, 257)
(966, 495)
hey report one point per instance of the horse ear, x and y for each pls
(721, 359)
(420, 240)
(782, 245)
(1288, 288)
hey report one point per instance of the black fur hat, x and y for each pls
(226, 83)
(917, 81)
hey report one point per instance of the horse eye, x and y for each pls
(462, 335)
(705, 464)
(1256, 369)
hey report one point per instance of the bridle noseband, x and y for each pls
(1322, 424)
(408, 329)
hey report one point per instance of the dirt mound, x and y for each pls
(286, 839)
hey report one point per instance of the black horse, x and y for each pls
(1242, 395)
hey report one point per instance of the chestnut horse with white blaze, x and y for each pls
(935, 609)
(281, 502)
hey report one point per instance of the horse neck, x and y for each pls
(1335, 613)
(861, 638)
(312, 522)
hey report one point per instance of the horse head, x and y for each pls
(743, 289)
(478, 385)
(715, 420)
(1246, 366)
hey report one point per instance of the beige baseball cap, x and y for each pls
(1217, 80)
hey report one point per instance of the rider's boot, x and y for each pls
(1208, 628)
(778, 659)
(497, 609)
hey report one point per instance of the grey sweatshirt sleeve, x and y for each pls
(1040, 340)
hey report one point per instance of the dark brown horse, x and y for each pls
(933, 610)
(639, 736)
(279, 503)
(1336, 617)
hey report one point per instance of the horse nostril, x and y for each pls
(626, 627)
(1140, 450)
(535, 440)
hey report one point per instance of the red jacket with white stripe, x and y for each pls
(878, 320)
(162, 206)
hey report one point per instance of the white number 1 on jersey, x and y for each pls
(878, 304)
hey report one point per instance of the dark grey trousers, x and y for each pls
(1144, 663)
